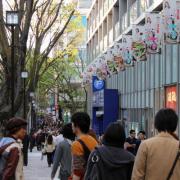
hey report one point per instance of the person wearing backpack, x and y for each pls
(82, 147)
(11, 155)
(110, 161)
(158, 157)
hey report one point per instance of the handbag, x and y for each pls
(44, 151)
(174, 164)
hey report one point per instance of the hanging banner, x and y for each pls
(171, 21)
(118, 57)
(111, 66)
(127, 50)
(153, 33)
(101, 71)
(138, 44)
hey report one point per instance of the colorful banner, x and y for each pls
(118, 58)
(101, 71)
(138, 44)
(153, 33)
(111, 65)
(171, 21)
(127, 50)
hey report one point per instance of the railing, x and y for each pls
(101, 45)
(133, 12)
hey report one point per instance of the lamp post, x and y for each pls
(12, 20)
(24, 76)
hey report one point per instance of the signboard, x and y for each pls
(98, 84)
(153, 32)
(171, 21)
(171, 97)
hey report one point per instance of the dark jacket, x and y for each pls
(110, 163)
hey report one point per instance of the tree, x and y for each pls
(64, 76)
(41, 22)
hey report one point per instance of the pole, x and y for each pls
(24, 113)
(12, 72)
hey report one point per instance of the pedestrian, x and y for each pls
(11, 155)
(49, 149)
(110, 161)
(130, 143)
(156, 156)
(141, 138)
(84, 144)
(32, 140)
(63, 157)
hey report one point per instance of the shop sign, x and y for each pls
(171, 97)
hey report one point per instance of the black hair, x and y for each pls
(49, 139)
(114, 135)
(67, 132)
(132, 131)
(166, 120)
(142, 132)
(82, 121)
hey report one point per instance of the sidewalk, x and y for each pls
(37, 169)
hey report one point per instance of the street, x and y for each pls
(37, 169)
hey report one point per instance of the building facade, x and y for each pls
(149, 85)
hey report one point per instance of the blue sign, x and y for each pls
(98, 85)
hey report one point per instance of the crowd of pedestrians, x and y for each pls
(81, 155)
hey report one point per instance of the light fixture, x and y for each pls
(24, 75)
(12, 18)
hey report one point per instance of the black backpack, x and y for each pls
(86, 151)
(98, 170)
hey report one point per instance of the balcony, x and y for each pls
(116, 29)
(124, 21)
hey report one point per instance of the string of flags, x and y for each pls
(145, 39)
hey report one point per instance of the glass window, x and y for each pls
(157, 69)
(152, 71)
(174, 62)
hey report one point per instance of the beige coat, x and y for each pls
(155, 159)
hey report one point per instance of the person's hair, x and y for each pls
(132, 131)
(142, 132)
(15, 124)
(67, 132)
(166, 120)
(82, 121)
(49, 139)
(114, 135)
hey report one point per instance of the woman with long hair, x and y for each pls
(49, 149)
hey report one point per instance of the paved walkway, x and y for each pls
(37, 169)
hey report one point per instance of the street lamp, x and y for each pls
(12, 20)
(24, 76)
